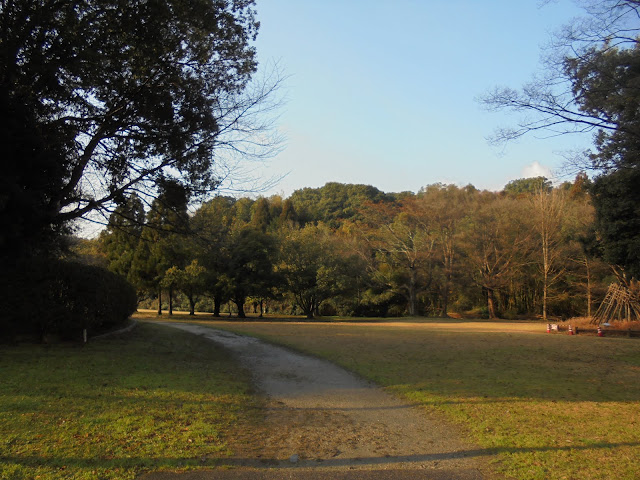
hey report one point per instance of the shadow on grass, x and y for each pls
(166, 462)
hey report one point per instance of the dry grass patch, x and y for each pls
(550, 406)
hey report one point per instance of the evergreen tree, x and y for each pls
(120, 239)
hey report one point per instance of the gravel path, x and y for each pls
(324, 422)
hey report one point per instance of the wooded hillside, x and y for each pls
(529, 250)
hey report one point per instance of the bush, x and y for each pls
(41, 297)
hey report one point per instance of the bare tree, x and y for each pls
(553, 103)
(549, 208)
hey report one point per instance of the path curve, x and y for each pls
(323, 419)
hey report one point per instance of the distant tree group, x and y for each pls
(529, 250)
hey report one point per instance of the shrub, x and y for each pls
(43, 296)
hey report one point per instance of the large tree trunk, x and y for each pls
(217, 304)
(306, 304)
(192, 304)
(170, 301)
(160, 301)
(240, 305)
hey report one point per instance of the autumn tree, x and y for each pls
(586, 266)
(497, 244)
(443, 210)
(404, 248)
(549, 210)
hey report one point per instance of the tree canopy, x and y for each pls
(106, 97)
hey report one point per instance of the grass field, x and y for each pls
(155, 398)
(550, 406)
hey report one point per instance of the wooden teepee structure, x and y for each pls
(621, 303)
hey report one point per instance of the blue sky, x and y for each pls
(384, 92)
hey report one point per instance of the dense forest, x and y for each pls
(528, 250)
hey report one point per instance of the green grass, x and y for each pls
(546, 406)
(152, 399)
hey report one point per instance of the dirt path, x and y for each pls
(325, 422)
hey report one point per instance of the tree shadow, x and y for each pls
(159, 463)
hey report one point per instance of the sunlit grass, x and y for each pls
(549, 406)
(155, 398)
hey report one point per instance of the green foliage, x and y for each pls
(211, 226)
(189, 280)
(121, 237)
(162, 242)
(334, 202)
(617, 201)
(41, 297)
(251, 257)
(605, 84)
(528, 186)
(33, 170)
(313, 268)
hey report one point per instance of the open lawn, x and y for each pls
(154, 398)
(552, 406)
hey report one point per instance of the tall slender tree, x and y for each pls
(549, 211)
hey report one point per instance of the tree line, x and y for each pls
(531, 249)
(97, 121)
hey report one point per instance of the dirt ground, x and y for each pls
(324, 422)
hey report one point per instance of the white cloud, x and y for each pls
(536, 170)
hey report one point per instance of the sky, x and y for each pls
(384, 92)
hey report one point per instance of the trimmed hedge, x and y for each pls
(43, 297)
